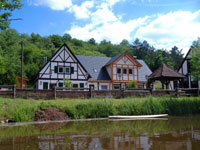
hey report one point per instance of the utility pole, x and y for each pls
(22, 49)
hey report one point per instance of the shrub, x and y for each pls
(132, 84)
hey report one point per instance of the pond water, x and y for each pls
(174, 133)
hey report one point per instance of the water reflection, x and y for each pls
(175, 134)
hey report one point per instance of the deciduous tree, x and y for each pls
(6, 8)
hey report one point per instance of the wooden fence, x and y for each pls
(8, 90)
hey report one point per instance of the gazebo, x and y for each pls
(165, 74)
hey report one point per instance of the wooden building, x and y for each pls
(19, 81)
(99, 73)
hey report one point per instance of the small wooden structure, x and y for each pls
(19, 80)
(165, 75)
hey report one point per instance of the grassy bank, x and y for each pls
(22, 110)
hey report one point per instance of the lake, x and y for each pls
(174, 133)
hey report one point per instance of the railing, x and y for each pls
(8, 88)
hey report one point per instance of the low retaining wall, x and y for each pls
(85, 93)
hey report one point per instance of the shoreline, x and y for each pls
(46, 122)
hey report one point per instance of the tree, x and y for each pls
(66, 37)
(177, 56)
(68, 83)
(92, 41)
(56, 40)
(195, 62)
(6, 7)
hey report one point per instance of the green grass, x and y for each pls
(22, 110)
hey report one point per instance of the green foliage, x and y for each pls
(98, 109)
(56, 40)
(132, 84)
(155, 58)
(195, 62)
(6, 7)
(24, 110)
(68, 83)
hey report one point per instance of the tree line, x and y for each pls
(37, 47)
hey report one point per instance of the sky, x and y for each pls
(163, 23)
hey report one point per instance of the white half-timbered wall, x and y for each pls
(62, 65)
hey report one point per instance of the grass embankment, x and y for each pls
(21, 110)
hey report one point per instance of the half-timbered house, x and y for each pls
(185, 69)
(100, 73)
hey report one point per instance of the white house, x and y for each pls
(185, 69)
(100, 73)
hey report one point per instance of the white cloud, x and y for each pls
(114, 31)
(178, 28)
(53, 4)
(175, 28)
(103, 15)
(112, 2)
(82, 12)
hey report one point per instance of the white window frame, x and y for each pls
(69, 70)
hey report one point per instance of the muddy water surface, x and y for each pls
(175, 133)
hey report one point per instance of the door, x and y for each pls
(45, 85)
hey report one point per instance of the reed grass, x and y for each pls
(22, 110)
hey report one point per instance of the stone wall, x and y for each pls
(52, 94)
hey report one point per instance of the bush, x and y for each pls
(132, 84)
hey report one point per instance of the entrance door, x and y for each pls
(45, 85)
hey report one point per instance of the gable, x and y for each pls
(65, 59)
(127, 59)
(187, 56)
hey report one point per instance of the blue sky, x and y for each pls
(163, 23)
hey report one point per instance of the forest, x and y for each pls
(37, 47)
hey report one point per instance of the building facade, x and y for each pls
(185, 69)
(99, 73)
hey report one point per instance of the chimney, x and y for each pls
(45, 59)
(52, 52)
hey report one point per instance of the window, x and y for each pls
(55, 69)
(116, 86)
(125, 71)
(72, 70)
(67, 70)
(104, 87)
(130, 71)
(52, 85)
(81, 85)
(75, 85)
(60, 70)
(118, 70)
(60, 84)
